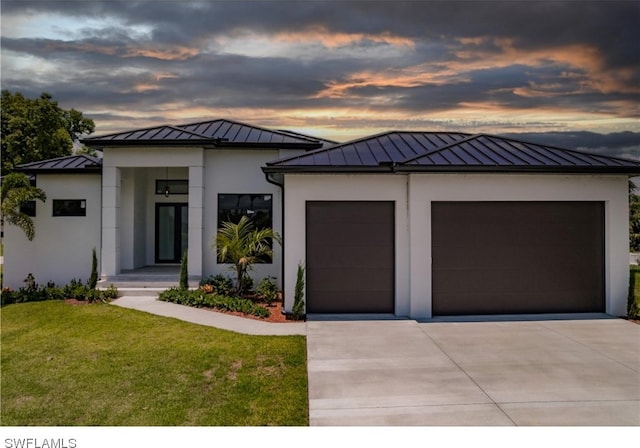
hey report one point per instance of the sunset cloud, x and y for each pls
(338, 69)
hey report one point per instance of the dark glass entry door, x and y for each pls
(171, 231)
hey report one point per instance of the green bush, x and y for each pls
(93, 277)
(633, 302)
(221, 284)
(268, 290)
(75, 289)
(246, 286)
(184, 272)
(298, 302)
(200, 299)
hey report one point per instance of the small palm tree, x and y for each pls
(243, 245)
(16, 191)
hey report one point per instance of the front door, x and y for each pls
(171, 231)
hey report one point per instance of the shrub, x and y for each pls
(633, 301)
(246, 284)
(199, 299)
(298, 302)
(110, 293)
(268, 290)
(221, 285)
(75, 289)
(93, 277)
(184, 272)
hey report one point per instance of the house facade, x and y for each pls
(440, 224)
(415, 224)
(154, 194)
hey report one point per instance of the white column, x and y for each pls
(419, 211)
(110, 221)
(196, 226)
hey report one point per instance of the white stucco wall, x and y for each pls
(363, 187)
(129, 206)
(238, 172)
(61, 249)
(413, 195)
(128, 225)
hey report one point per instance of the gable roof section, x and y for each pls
(77, 163)
(449, 152)
(370, 153)
(215, 133)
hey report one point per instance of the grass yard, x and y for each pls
(66, 365)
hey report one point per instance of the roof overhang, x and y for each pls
(403, 169)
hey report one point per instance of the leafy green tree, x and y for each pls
(38, 129)
(16, 191)
(243, 245)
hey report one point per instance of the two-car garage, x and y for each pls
(424, 224)
(487, 257)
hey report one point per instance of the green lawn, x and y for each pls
(104, 365)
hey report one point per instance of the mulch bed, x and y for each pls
(275, 309)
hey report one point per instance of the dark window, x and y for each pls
(69, 207)
(257, 207)
(28, 208)
(174, 186)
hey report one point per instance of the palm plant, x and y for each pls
(243, 245)
(16, 191)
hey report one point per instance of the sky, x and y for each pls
(560, 72)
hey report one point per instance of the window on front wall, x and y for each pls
(257, 207)
(28, 208)
(69, 207)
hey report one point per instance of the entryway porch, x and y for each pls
(147, 280)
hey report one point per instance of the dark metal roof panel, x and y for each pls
(485, 150)
(217, 132)
(420, 151)
(389, 147)
(78, 162)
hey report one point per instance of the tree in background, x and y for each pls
(38, 129)
(634, 218)
(16, 191)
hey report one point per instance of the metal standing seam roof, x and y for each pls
(73, 163)
(218, 133)
(453, 152)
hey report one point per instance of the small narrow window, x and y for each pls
(69, 207)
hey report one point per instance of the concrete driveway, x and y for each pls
(401, 373)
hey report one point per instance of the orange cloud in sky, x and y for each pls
(332, 39)
(174, 53)
(580, 57)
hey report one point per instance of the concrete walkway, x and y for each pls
(150, 304)
(540, 373)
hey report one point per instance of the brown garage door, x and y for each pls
(517, 257)
(350, 257)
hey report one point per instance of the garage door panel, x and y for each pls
(526, 303)
(369, 256)
(338, 302)
(351, 279)
(550, 254)
(350, 257)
